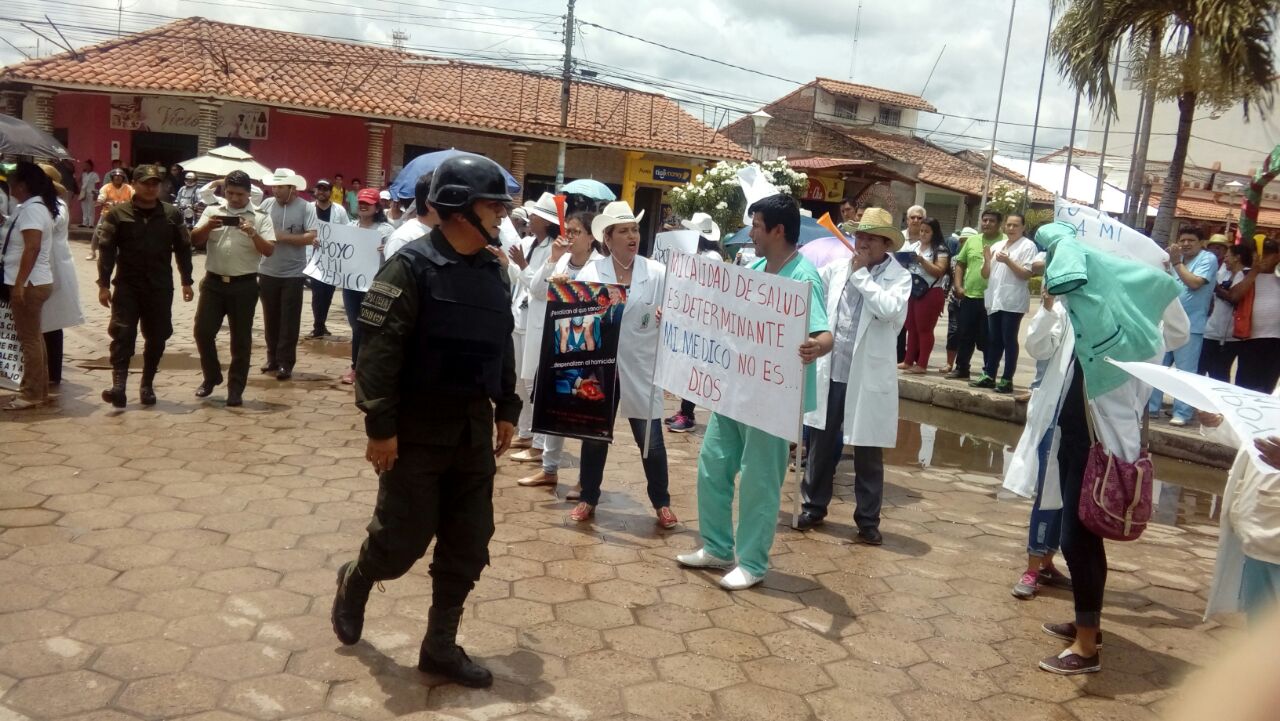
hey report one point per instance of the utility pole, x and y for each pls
(1035, 124)
(986, 182)
(1071, 148)
(1106, 135)
(566, 80)
(1137, 208)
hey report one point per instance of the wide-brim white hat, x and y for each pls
(545, 208)
(284, 176)
(615, 213)
(705, 226)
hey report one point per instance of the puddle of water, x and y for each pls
(170, 361)
(941, 438)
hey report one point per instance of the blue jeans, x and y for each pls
(1186, 358)
(1002, 342)
(351, 300)
(1044, 535)
(1259, 587)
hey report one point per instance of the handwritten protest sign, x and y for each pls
(347, 258)
(729, 340)
(685, 241)
(10, 349)
(1249, 413)
(1100, 231)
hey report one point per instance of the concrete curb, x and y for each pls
(1186, 445)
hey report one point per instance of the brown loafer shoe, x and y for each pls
(540, 478)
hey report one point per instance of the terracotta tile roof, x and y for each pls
(1210, 211)
(280, 69)
(940, 168)
(879, 95)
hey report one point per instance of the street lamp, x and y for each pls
(1233, 189)
(759, 119)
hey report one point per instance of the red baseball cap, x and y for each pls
(368, 196)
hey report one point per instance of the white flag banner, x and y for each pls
(10, 349)
(1249, 413)
(685, 241)
(729, 342)
(1098, 230)
(755, 185)
(347, 258)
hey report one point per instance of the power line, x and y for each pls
(692, 55)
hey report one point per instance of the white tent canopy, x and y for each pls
(223, 160)
(1081, 186)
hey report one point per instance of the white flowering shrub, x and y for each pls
(718, 194)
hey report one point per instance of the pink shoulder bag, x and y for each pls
(1115, 495)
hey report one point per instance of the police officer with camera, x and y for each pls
(436, 381)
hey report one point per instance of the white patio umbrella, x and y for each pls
(225, 159)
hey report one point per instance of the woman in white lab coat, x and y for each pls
(568, 257)
(62, 310)
(641, 403)
(526, 259)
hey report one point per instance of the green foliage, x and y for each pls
(718, 194)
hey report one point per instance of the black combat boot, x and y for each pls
(442, 655)
(146, 392)
(348, 604)
(115, 394)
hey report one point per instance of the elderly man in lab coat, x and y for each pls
(858, 380)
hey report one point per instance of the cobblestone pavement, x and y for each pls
(178, 562)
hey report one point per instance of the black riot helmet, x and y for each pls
(464, 179)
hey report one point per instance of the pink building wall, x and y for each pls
(313, 147)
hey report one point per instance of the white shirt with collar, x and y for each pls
(1005, 290)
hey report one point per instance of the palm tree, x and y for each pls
(1215, 53)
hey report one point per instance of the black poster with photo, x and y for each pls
(576, 390)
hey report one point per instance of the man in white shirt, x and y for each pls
(417, 227)
(322, 293)
(857, 384)
(1008, 266)
(89, 182)
(280, 276)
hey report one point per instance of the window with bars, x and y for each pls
(890, 116)
(847, 109)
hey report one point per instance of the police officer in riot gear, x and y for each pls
(436, 377)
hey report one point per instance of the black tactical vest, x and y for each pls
(464, 328)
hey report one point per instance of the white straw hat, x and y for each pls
(705, 226)
(615, 213)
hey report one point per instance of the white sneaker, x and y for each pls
(1175, 421)
(739, 579)
(701, 559)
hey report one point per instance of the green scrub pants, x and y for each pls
(730, 448)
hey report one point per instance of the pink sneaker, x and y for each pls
(1027, 586)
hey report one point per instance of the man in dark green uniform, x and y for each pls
(139, 241)
(436, 377)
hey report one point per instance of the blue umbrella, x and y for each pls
(403, 185)
(809, 230)
(593, 189)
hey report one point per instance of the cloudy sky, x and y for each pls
(779, 45)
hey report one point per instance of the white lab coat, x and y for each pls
(521, 281)
(62, 310)
(638, 342)
(1249, 523)
(871, 402)
(1049, 337)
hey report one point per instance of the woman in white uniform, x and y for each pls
(62, 310)
(526, 259)
(569, 255)
(641, 403)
